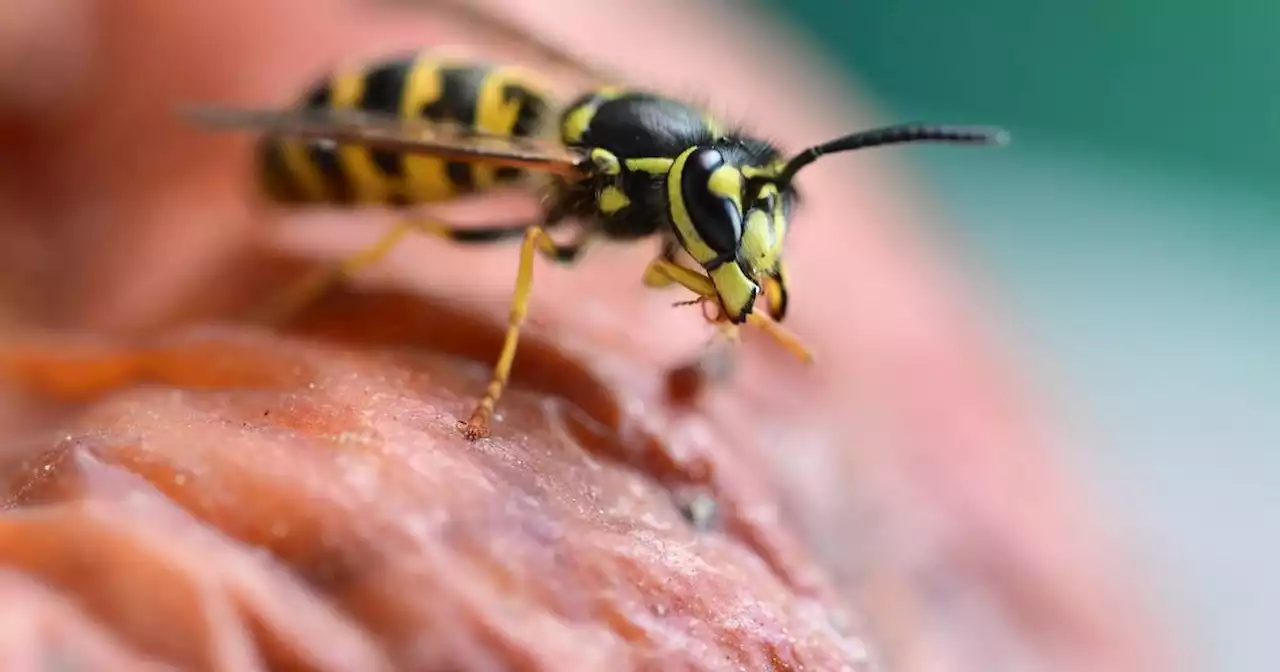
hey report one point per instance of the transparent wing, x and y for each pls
(394, 134)
(484, 19)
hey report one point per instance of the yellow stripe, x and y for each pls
(780, 225)
(653, 166)
(367, 183)
(304, 174)
(753, 172)
(498, 115)
(605, 161)
(611, 200)
(726, 181)
(578, 120)
(425, 177)
(492, 115)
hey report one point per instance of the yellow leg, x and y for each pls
(784, 338)
(656, 275)
(656, 278)
(535, 241)
(662, 272)
(311, 286)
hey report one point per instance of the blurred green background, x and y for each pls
(1131, 240)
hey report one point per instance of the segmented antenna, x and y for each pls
(896, 135)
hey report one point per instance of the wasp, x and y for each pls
(623, 164)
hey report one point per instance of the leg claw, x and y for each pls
(474, 430)
(476, 426)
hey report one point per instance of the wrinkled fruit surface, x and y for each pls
(230, 498)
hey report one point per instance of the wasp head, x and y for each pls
(731, 217)
(730, 204)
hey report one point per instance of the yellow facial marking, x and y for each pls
(734, 287)
(779, 224)
(763, 233)
(757, 241)
(367, 183)
(606, 161)
(611, 200)
(726, 181)
(652, 166)
(753, 172)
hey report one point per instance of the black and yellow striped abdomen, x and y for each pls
(500, 101)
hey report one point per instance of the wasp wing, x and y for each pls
(395, 134)
(509, 31)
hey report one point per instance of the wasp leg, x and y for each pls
(657, 278)
(307, 289)
(562, 254)
(661, 272)
(310, 287)
(536, 241)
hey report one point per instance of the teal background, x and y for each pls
(1193, 83)
(1131, 240)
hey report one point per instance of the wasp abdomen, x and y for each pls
(493, 100)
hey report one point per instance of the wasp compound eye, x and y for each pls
(712, 195)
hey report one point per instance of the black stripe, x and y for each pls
(383, 92)
(529, 119)
(459, 97)
(277, 181)
(325, 157)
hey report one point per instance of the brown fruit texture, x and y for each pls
(357, 528)
(188, 491)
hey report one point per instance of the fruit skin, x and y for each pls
(335, 454)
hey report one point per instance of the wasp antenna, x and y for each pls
(896, 135)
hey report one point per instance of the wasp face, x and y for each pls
(764, 232)
(740, 248)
